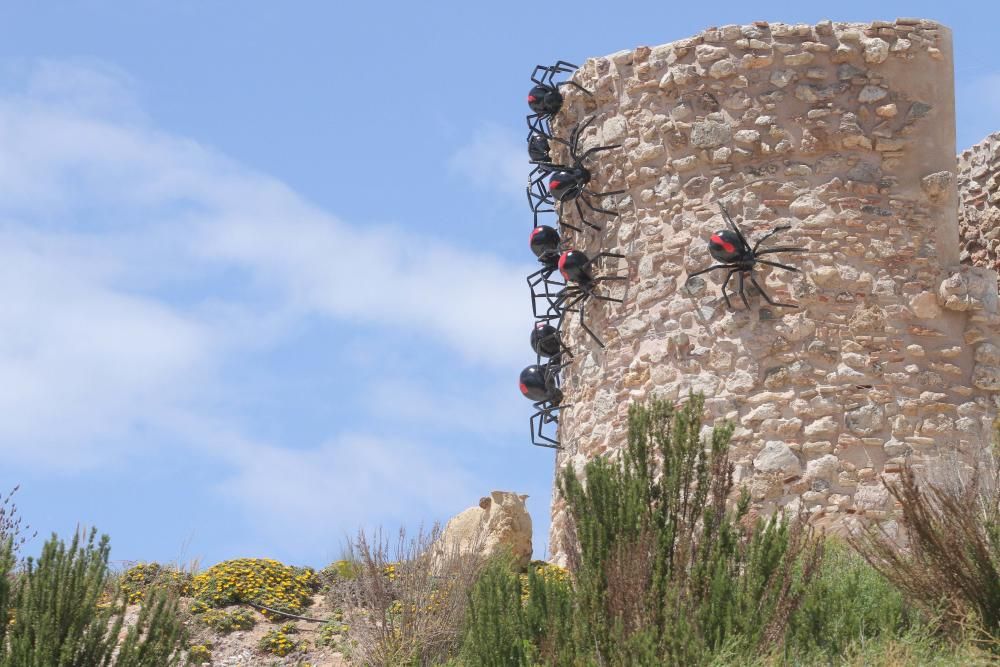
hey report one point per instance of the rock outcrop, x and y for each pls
(500, 521)
(845, 134)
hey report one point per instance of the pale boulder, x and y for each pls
(501, 520)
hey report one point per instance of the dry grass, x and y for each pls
(409, 598)
(949, 562)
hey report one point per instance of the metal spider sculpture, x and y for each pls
(540, 383)
(569, 182)
(539, 199)
(547, 246)
(545, 99)
(575, 267)
(547, 343)
(731, 248)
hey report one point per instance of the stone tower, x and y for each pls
(846, 133)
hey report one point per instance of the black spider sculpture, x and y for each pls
(540, 383)
(730, 247)
(547, 343)
(545, 290)
(569, 182)
(539, 199)
(545, 99)
(574, 265)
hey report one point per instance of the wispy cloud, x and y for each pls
(135, 264)
(494, 159)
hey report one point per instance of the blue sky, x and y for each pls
(261, 264)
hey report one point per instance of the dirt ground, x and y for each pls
(239, 648)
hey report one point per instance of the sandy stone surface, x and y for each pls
(845, 133)
(239, 649)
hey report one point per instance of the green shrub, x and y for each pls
(139, 579)
(199, 654)
(848, 603)
(277, 641)
(951, 566)
(58, 620)
(664, 571)
(228, 621)
(254, 580)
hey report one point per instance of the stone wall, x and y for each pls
(979, 197)
(845, 132)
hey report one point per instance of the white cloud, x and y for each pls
(102, 217)
(333, 489)
(494, 159)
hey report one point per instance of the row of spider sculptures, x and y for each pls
(552, 186)
(554, 297)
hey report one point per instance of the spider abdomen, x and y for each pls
(545, 340)
(574, 266)
(537, 386)
(725, 246)
(545, 100)
(566, 184)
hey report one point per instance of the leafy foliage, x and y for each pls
(951, 566)
(255, 580)
(140, 578)
(58, 621)
(664, 571)
(849, 602)
(228, 621)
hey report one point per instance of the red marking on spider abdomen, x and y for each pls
(524, 389)
(726, 245)
(554, 184)
(531, 98)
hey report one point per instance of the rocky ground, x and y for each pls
(240, 648)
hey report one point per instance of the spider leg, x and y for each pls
(597, 149)
(782, 249)
(596, 209)
(562, 220)
(766, 297)
(575, 85)
(562, 65)
(538, 438)
(599, 255)
(583, 324)
(711, 268)
(743, 292)
(780, 266)
(549, 72)
(606, 193)
(771, 233)
(538, 123)
(729, 221)
(725, 294)
(608, 298)
(576, 200)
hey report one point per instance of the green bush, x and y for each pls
(664, 572)
(140, 578)
(228, 621)
(58, 619)
(277, 641)
(260, 581)
(849, 602)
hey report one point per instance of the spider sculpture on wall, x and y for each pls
(540, 383)
(545, 99)
(731, 248)
(547, 343)
(539, 199)
(575, 267)
(569, 182)
(547, 246)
